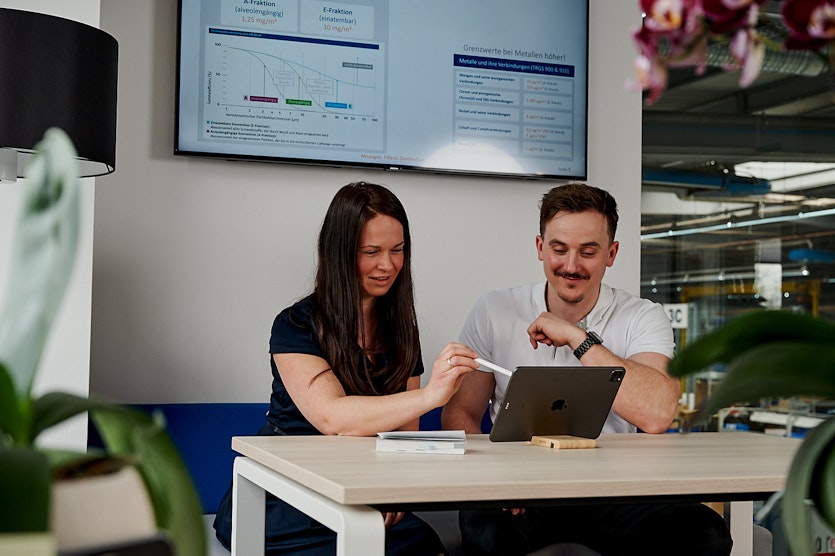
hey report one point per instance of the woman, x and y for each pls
(346, 360)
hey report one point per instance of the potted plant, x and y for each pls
(772, 353)
(41, 264)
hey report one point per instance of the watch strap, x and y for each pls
(590, 340)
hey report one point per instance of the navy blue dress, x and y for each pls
(289, 531)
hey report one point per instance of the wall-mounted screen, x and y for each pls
(492, 87)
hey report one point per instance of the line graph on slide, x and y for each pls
(280, 80)
(296, 91)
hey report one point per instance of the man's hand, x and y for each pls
(551, 330)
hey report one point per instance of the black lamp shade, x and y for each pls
(55, 72)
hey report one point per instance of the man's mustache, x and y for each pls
(572, 275)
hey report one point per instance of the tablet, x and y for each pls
(549, 401)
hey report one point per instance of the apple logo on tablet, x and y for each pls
(558, 405)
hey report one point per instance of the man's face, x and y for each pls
(575, 252)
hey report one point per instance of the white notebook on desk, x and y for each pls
(422, 442)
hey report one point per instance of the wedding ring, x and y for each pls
(449, 362)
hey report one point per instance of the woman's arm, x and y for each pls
(414, 424)
(322, 400)
(465, 409)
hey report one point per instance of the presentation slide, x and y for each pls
(464, 86)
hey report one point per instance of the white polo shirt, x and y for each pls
(497, 329)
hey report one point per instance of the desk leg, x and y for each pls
(359, 529)
(248, 515)
(742, 528)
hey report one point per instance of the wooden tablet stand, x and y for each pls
(563, 442)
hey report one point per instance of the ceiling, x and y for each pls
(704, 144)
(787, 114)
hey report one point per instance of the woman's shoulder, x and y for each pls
(299, 314)
(294, 329)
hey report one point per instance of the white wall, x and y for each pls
(65, 363)
(193, 258)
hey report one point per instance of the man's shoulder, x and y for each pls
(632, 312)
(627, 307)
(624, 297)
(524, 301)
(524, 292)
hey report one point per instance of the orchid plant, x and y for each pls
(676, 33)
(43, 255)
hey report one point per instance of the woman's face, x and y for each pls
(380, 255)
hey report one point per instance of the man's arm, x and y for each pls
(466, 408)
(647, 398)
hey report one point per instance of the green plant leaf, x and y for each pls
(24, 490)
(176, 503)
(164, 468)
(775, 369)
(12, 419)
(796, 518)
(42, 256)
(822, 490)
(117, 426)
(56, 407)
(748, 331)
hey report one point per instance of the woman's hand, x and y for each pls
(390, 519)
(449, 369)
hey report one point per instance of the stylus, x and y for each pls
(492, 366)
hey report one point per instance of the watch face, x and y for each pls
(595, 338)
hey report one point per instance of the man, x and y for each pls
(574, 318)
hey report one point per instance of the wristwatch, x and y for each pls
(591, 339)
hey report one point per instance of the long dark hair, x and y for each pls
(338, 294)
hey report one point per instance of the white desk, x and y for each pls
(335, 480)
